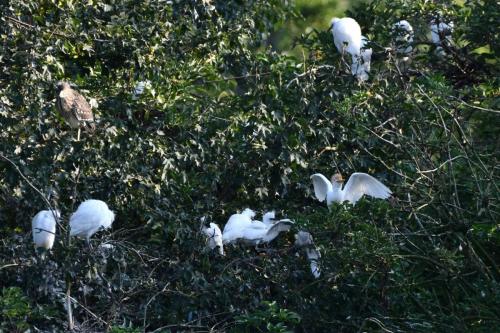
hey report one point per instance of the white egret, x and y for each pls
(361, 63)
(358, 185)
(304, 240)
(43, 227)
(242, 227)
(441, 35)
(346, 35)
(140, 87)
(403, 33)
(90, 217)
(214, 237)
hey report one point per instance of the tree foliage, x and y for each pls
(225, 123)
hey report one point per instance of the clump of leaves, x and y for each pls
(15, 310)
(270, 318)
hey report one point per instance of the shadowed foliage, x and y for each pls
(226, 123)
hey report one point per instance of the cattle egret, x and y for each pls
(74, 108)
(43, 227)
(214, 237)
(441, 35)
(361, 63)
(242, 227)
(346, 35)
(403, 33)
(90, 217)
(304, 240)
(358, 185)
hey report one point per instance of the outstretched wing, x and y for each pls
(321, 186)
(361, 183)
(277, 228)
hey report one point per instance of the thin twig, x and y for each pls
(33, 187)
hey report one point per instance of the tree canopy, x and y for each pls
(228, 119)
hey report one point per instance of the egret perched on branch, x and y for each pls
(242, 227)
(74, 108)
(90, 217)
(304, 240)
(346, 35)
(361, 63)
(358, 185)
(43, 227)
(403, 33)
(441, 35)
(214, 236)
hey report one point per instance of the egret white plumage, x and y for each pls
(361, 63)
(358, 185)
(214, 237)
(304, 240)
(346, 35)
(242, 227)
(140, 87)
(441, 35)
(90, 217)
(43, 227)
(403, 33)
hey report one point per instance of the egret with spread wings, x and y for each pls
(358, 185)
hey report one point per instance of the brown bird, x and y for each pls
(74, 108)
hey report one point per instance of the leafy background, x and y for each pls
(247, 100)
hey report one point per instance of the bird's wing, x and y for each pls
(234, 226)
(258, 225)
(43, 221)
(80, 107)
(321, 186)
(277, 228)
(361, 183)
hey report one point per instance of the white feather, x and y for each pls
(358, 185)
(44, 228)
(322, 186)
(214, 236)
(441, 35)
(241, 227)
(403, 32)
(140, 87)
(346, 35)
(90, 217)
(268, 218)
(361, 64)
(304, 239)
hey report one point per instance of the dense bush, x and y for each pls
(229, 123)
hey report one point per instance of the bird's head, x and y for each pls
(269, 217)
(62, 85)
(204, 222)
(334, 20)
(337, 178)
(248, 212)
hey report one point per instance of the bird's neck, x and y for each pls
(336, 194)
